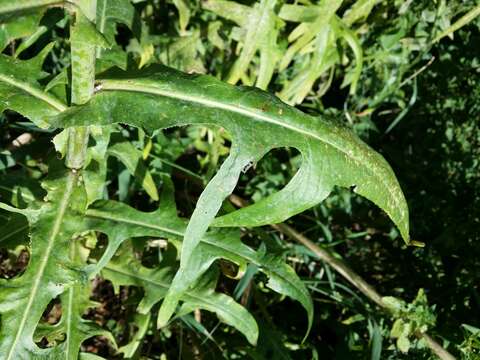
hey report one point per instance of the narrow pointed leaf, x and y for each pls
(183, 12)
(260, 27)
(359, 10)
(464, 20)
(303, 34)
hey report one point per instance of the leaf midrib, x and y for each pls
(69, 321)
(187, 294)
(107, 216)
(127, 85)
(41, 95)
(44, 260)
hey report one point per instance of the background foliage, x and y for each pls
(374, 65)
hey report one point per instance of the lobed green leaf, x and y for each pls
(125, 270)
(159, 97)
(121, 222)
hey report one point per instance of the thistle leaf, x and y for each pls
(183, 12)
(359, 10)
(20, 91)
(72, 326)
(50, 271)
(111, 12)
(159, 97)
(121, 222)
(125, 270)
(18, 27)
(8, 7)
(313, 40)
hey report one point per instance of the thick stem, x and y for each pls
(350, 275)
(77, 147)
(83, 76)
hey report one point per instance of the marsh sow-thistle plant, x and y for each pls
(72, 205)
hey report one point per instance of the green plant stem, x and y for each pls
(350, 275)
(77, 147)
(83, 77)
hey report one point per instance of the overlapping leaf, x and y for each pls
(131, 157)
(109, 14)
(125, 270)
(160, 97)
(258, 31)
(66, 336)
(120, 222)
(315, 38)
(19, 19)
(72, 329)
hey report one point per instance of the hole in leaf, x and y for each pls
(270, 174)
(155, 252)
(112, 312)
(99, 345)
(46, 335)
(193, 167)
(53, 312)
(11, 264)
(96, 243)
